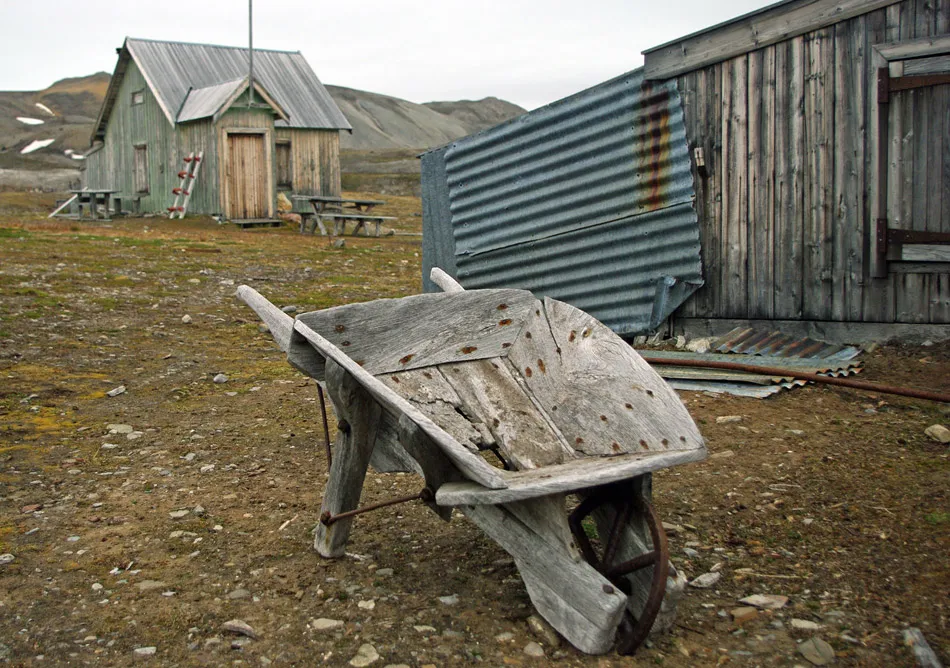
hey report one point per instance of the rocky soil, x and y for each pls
(161, 469)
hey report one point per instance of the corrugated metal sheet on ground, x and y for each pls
(172, 68)
(588, 200)
(743, 383)
(750, 341)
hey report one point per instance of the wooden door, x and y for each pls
(247, 177)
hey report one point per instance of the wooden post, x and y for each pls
(358, 418)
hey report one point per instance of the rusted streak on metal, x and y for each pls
(658, 133)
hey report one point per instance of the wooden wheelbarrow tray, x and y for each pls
(442, 384)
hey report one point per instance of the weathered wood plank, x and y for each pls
(848, 220)
(735, 189)
(598, 391)
(431, 393)
(389, 335)
(473, 466)
(491, 395)
(579, 474)
(761, 170)
(917, 48)
(932, 65)
(354, 445)
(448, 284)
(279, 323)
(754, 31)
(436, 468)
(925, 253)
(548, 516)
(819, 177)
(573, 597)
(925, 656)
(789, 152)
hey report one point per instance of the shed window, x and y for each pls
(285, 172)
(140, 169)
(138, 97)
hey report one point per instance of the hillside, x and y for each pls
(65, 113)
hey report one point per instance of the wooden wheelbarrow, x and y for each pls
(514, 410)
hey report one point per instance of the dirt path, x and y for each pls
(833, 498)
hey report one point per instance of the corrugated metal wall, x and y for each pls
(787, 211)
(588, 200)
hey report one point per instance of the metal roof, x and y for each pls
(172, 69)
(212, 101)
(588, 200)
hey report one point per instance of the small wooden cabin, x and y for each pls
(169, 99)
(823, 127)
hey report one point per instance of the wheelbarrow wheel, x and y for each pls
(627, 507)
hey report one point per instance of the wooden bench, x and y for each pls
(339, 220)
(530, 417)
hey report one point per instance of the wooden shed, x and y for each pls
(820, 136)
(168, 100)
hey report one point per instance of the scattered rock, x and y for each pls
(672, 528)
(207, 468)
(765, 601)
(119, 428)
(149, 585)
(365, 656)
(706, 580)
(384, 572)
(240, 627)
(743, 614)
(507, 636)
(690, 552)
(198, 510)
(114, 393)
(263, 329)
(795, 432)
(186, 319)
(339, 243)
(324, 624)
(534, 649)
(724, 454)
(32, 508)
(238, 594)
(817, 652)
(220, 378)
(805, 625)
(366, 605)
(938, 433)
(145, 651)
(701, 345)
(449, 600)
(544, 631)
(178, 514)
(289, 309)
(6, 558)
(424, 629)
(680, 342)
(728, 419)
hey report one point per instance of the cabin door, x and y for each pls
(247, 177)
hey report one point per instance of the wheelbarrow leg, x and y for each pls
(573, 597)
(358, 419)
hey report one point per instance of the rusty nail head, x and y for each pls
(608, 589)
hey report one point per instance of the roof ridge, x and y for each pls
(214, 46)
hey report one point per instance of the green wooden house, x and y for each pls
(167, 100)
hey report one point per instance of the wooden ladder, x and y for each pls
(183, 192)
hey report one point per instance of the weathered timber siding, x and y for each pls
(788, 207)
(315, 160)
(113, 166)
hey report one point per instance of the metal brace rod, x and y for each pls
(425, 495)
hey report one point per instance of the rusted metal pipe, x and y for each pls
(327, 519)
(802, 375)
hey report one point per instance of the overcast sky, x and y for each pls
(530, 52)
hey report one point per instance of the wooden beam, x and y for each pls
(914, 48)
(750, 32)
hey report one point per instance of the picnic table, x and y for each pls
(339, 211)
(91, 198)
(530, 417)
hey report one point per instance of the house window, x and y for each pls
(138, 97)
(285, 172)
(140, 169)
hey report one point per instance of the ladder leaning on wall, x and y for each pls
(188, 176)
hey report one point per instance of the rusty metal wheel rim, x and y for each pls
(632, 631)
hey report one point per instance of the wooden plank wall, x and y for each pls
(315, 156)
(789, 137)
